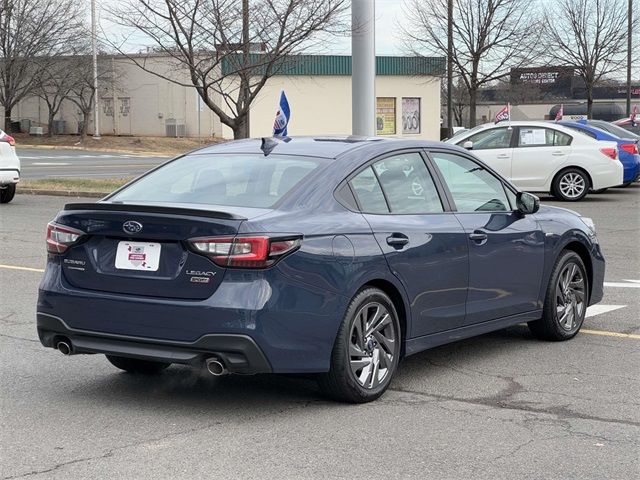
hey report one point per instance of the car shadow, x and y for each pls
(181, 389)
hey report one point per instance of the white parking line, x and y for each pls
(598, 309)
(49, 163)
(622, 285)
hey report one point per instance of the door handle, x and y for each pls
(558, 154)
(504, 155)
(397, 240)
(479, 238)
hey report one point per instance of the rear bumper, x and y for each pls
(291, 324)
(239, 353)
(607, 175)
(9, 176)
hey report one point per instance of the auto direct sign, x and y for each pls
(410, 115)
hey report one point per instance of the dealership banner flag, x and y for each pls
(634, 116)
(282, 117)
(560, 113)
(504, 114)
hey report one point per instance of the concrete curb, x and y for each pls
(61, 193)
(98, 149)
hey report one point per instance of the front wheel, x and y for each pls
(7, 193)
(134, 365)
(566, 300)
(570, 185)
(366, 351)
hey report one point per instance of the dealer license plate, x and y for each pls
(138, 256)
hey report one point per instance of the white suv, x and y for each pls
(9, 168)
(545, 157)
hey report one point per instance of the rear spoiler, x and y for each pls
(122, 207)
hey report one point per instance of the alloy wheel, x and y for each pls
(570, 297)
(373, 345)
(572, 185)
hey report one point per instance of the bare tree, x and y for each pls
(590, 35)
(54, 85)
(229, 48)
(489, 37)
(32, 30)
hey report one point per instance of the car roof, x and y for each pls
(316, 146)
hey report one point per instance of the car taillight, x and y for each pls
(245, 252)
(7, 138)
(612, 153)
(60, 238)
(631, 148)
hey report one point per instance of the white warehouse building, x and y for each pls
(318, 88)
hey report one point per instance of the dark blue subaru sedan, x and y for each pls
(336, 256)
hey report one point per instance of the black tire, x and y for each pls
(568, 179)
(134, 365)
(626, 184)
(550, 326)
(7, 193)
(600, 190)
(341, 382)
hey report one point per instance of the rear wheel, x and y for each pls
(134, 365)
(366, 351)
(570, 185)
(7, 193)
(566, 300)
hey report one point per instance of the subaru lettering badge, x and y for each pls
(132, 227)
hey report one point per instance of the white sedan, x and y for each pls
(9, 168)
(545, 157)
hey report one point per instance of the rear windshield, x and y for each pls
(234, 180)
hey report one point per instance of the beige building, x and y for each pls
(318, 89)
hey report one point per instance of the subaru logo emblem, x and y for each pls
(132, 227)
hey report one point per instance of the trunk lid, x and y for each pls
(142, 250)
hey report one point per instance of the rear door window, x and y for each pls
(407, 184)
(542, 137)
(234, 180)
(368, 192)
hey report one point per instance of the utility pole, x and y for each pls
(363, 68)
(629, 43)
(96, 101)
(449, 68)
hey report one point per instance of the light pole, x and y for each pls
(363, 68)
(629, 42)
(96, 99)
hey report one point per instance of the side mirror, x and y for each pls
(468, 145)
(527, 203)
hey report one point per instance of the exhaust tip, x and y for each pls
(64, 347)
(215, 367)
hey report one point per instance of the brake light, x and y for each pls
(612, 153)
(7, 138)
(245, 252)
(631, 148)
(60, 238)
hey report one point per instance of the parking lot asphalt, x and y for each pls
(61, 163)
(502, 405)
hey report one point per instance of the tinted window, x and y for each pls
(542, 137)
(235, 180)
(474, 189)
(614, 129)
(368, 192)
(408, 185)
(491, 138)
